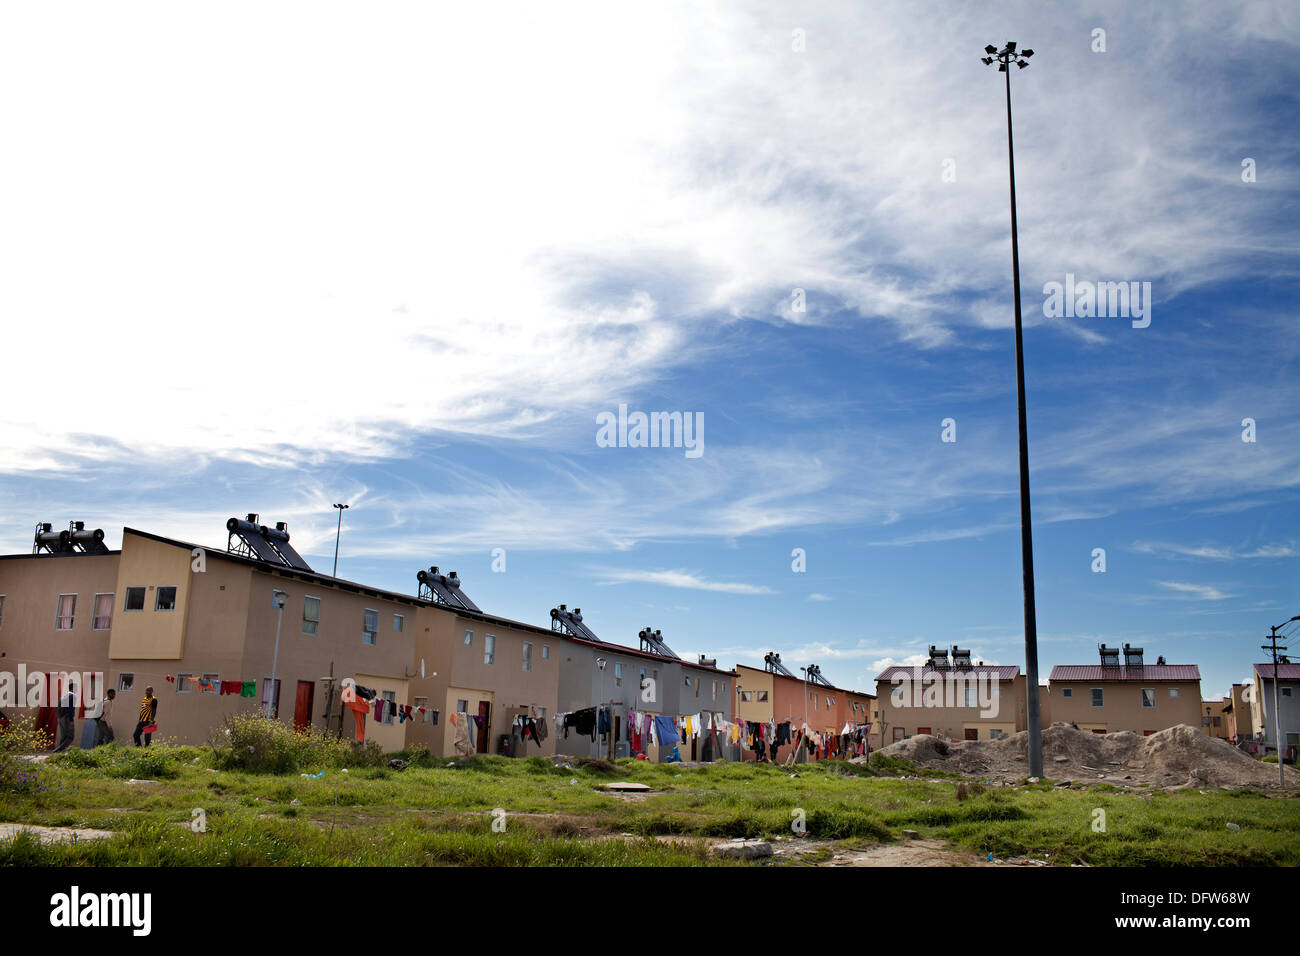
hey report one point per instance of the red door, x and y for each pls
(302, 705)
(485, 725)
(47, 719)
(972, 733)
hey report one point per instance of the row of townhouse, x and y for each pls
(958, 699)
(837, 720)
(1246, 717)
(207, 628)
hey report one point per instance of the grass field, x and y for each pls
(438, 812)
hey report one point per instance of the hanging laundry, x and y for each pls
(359, 710)
(666, 731)
(231, 687)
(249, 689)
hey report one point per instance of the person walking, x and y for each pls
(148, 716)
(102, 714)
(67, 711)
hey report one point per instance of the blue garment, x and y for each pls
(602, 724)
(666, 731)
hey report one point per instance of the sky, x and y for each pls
(266, 258)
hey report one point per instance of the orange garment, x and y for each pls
(359, 711)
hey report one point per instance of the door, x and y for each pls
(47, 719)
(302, 705)
(972, 733)
(485, 726)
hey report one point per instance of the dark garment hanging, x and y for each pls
(583, 721)
(364, 693)
(602, 725)
(783, 733)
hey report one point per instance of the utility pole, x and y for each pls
(278, 598)
(1274, 647)
(338, 534)
(1005, 58)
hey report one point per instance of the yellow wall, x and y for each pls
(150, 634)
(389, 736)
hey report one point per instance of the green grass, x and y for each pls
(439, 812)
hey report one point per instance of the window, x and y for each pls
(103, 616)
(391, 697)
(996, 733)
(1218, 721)
(310, 615)
(546, 652)
(469, 638)
(715, 690)
(971, 697)
(183, 683)
(369, 626)
(125, 682)
(165, 599)
(489, 648)
(528, 658)
(923, 730)
(1097, 697)
(210, 683)
(1286, 691)
(134, 599)
(462, 706)
(724, 688)
(899, 734)
(618, 673)
(1067, 692)
(688, 682)
(1173, 692)
(746, 696)
(1148, 697)
(65, 612)
(762, 696)
(399, 622)
(2, 610)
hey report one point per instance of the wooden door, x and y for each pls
(485, 727)
(47, 718)
(972, 733)
(303, 704)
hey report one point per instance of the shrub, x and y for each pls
(125, 763)
(259, 744)
(883, 763)
(20, 739)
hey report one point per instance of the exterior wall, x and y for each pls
(1214, 720)
(1288, 707)
(31, 586)
(1239, 718)
(757, 683)
(951, 722)
(151, 634)
(581, 684)
(1122, 705)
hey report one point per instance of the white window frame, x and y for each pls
(528, 656)
(183, 683)
(157, 596)
(1067, 692)
(123, 685)
(314, 622)
(546, 652)
(618, 673)
(469, 638)
(1152, 692)
(489, 650)
(1097, 696)
(2, 610)
(1173, 692)
(58, 612)
(94, 618)
(213, 679)
(399, 623)
(366, 632)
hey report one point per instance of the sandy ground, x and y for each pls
(1180, 756)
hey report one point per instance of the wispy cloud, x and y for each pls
(1201, 592)
(679, 579)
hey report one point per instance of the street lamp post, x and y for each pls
(1005, 58)
(337, 535)
(278, 598)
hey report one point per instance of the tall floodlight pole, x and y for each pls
(337, 535)
(1004, 59)
(1277, 714)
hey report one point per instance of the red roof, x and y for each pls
(999, 671)
(1096, 672)
(1284, 671)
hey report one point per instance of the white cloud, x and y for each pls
(679, 579)
(1201, 592)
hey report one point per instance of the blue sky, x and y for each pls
(405, 261)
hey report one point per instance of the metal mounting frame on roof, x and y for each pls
(563, 620)
(772, 663)
(250, 539)
(76, 540)
(444, 589)
(815, 675)
(653, 642)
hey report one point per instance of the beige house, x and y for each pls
(1214, 717)
(1238, 713)
(950, 698)
(1110, 696)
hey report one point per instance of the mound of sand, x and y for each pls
(1177, 756)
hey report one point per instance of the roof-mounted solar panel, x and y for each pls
(653, 641)
(444, 589)
(278, 538)
(815, 675)
(772, 663)
(246, 538)
(562, 619)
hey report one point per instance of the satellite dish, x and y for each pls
(421, 666)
